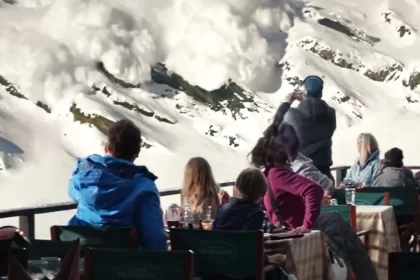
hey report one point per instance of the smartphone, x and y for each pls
(299, 94)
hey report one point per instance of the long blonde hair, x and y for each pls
(199, 188)
(366, 145)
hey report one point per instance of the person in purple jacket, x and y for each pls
(295, 202)
(299, 199)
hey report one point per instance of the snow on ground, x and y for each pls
(50, 49)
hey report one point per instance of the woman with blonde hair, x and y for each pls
(367, 166)
(200, 191)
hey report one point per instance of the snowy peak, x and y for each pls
(200, 78)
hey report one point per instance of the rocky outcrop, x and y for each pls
(388, 72)
(230, 98)
(413, 80)
(13, 90)
(133, 107)
(355, 34)
(402, 28)
(101, 68)
(100, 122)
(215, 131)
(11, 2)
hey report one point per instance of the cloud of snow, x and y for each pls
(207, 42)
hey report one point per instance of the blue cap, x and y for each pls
(313, 86)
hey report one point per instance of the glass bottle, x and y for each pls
(188, 217)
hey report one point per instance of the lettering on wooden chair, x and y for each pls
(143, 271)
(218, 250)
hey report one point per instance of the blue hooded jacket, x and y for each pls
(115, 192)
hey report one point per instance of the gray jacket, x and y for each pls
(395, 177)
(306, 168)
(315, 123)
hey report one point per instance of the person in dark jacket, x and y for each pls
(243, 213)
(393, 173)
(314, 122)
(112, 191)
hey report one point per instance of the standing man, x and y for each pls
(314, 122)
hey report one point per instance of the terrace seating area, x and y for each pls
(386, 220)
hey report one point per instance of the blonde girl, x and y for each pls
(199, 189)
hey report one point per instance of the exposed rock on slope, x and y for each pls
(133, 107)
(13, 90)
(100, 122)
(355, 34)
(230, 97)
(387, 72)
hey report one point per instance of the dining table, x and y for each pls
(383, 236)
(307, 257)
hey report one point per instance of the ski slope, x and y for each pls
(68, 68)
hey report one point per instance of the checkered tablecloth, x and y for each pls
(383, 238)
(306, 258)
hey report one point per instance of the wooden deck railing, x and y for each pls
(27, 215)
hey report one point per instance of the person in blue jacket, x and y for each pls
(367, 166)
(111, 190)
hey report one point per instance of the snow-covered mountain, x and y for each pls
(200, 78)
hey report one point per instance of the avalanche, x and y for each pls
(69, 68)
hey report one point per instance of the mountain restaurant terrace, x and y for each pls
(392, 248)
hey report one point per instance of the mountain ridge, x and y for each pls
(365, 56)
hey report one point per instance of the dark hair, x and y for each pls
(251, 184)
(394, 158)
(124, 140)
(278, 146)
(258, 154)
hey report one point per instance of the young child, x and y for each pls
(243, 212)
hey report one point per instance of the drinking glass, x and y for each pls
(365, 184)
(51, 266)
(173, 224)
(207, 213)
(207, 224)
(36, 269)
(350, 196)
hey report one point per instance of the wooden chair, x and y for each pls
(222, 254)
(47, 248)
(363, 197)
(403, 266)
(103, 237)
(114, 264)
(348, 212)
(371, 198)
(20, 254)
